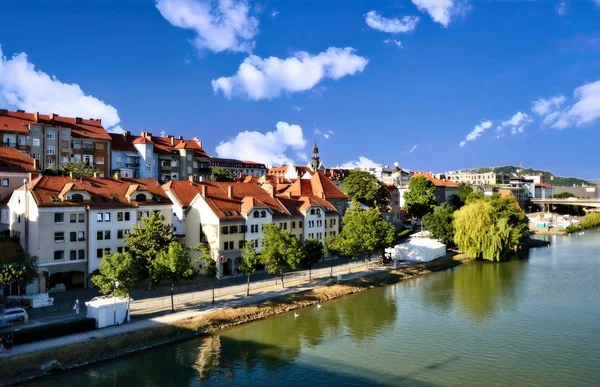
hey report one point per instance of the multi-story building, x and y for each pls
(69, 224)
(15, 167)
(227, 215)
(163, 158)
(53, 140)
(443, 188)
(392, 213)
(480, 179)
(238, 167)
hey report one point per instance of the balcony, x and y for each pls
(9, 144)
(166, 168)
(132, 165)
(86, 149)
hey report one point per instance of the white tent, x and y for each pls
(417, 249)
(107, 311)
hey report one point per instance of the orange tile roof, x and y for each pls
(508, 193)
(437, 182)
(544, 185)
(318, 185)
(105, 193)
(12, 160)
(120, 143)
(17, 121)
(167, 145)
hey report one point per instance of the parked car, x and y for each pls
(14, 314)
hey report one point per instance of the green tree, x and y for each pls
(174, 264)
(209, 264)
(119, 268)
(363, 187)
(364, 233)
(439, 223)
(19, 268)
(281, 250)
(220, 174)
(78, 168)
(312, 252)
(147, 239)
(250, 259)
(419, 199)
(474, 196)
(459, 200)
(564, 195)
(508, 208)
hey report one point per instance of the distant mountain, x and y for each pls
(549, 177)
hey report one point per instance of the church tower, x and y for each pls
(315, 161)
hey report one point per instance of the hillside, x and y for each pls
(549, 177)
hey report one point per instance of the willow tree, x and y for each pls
(479, 233)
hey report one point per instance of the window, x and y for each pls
(100, 160)
(127, 216)
(50, 134)
(300, 224)
(231, 245)
(99, 253)
(81, 218)
(80, 254)
(256, 244)
(99, 217)
(189, 156)
(119, 249)
(318, 211)
(36, 156)
(263, 214)
(51, 150)
(36, 142)
(59, 255)
(233, 229)
(312, 211)
(80, 236)
(311, 223)
(5, 182)
(107, 216)
(99, 146)
(241, 244)
(19, 218)
(189, 170)
(225, 230)
(77, 198)
(76, 144)
(107, 251)
(119, 216)
(293, 224)
(119, 161)
(285, 225)
(73, 218)
(73, 236)
(256, 214)
(73, 255)
(319, 223)
(64, 144)
(59, 217)
(59, 236)
(140, 197)
(254, 228)
(107, 234)
(119, 234)
(243, 229)
(225, 245)
(99, 235)
(50, 163)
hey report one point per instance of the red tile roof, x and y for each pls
(119, 143)
(47, 191)
(544, 185)
(437, 182)
(17, 122)
(167, 145)
(318, 185)
(12, 160)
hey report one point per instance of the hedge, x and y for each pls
(49, 331)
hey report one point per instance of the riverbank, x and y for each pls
(547, 231)
(26, 367)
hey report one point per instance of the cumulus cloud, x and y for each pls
(24, 87)
(543, 106)
(225, 25)
(362, 162)
(586, 110)
(441, 11)
(476, 132)
(414, 148)
(268, 78)
(394, 25)
(270, 148)
(516, 123)
(394, 41)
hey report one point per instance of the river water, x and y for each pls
(534, 321)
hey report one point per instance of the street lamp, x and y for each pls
(115, 303)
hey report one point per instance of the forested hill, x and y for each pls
(549, 177)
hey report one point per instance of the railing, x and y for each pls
(9, 144)
(132, 165)
(86, 149)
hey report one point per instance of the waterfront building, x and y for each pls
(70, 223)
(239, 168)
(588, 192)
(478, 179)
(54, 140)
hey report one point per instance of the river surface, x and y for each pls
(528, 322)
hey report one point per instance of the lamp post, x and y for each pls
(115, 303)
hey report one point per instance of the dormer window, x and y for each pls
(263, 214)
(77, 198)
(140, 197)
(256, 214)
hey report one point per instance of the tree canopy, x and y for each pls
(363, 187)
(250, 260)
(20, 268)
(220, 174)
(175, 265)
(121, 268)
(312, 252)
(78, 168)
(364, 233)
(281, 250)
(439, 223)
(420, 198)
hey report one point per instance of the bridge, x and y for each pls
(569, 202)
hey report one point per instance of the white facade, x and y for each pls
(314, 223)
(255, 221)
(148, 161)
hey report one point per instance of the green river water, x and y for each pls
(528, 322)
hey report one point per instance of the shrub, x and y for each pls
(44, 332)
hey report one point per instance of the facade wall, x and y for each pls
(580, 192)
(332, 225)
(314, 223)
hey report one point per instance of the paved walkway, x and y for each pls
(221, 302)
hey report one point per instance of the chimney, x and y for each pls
(36, 165)
(71, 175)
(203, 191)
(147, 135)
(172, 139)
(198, 141)
(117, 176)
(95, 175)
(230, 191)
(78, 120)
(192, 179)
(52, 116)
(180, 138)
(4, 112)
(36, 116)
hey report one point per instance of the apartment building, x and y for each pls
(69, 224)
(163, 158)
(227, 215)
(53, 140)
(238, 167)
(481, 179)
(443, 188)
(15, 166)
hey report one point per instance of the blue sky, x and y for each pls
(513, 82)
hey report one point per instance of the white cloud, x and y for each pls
(414, 148)
(223, 26)
(393, 25)
(544, 106)
(24, 87)
(586, 110)
(561, 8)
(268, 78)
(516, 123)
(394, 41)
(274, 13)
(476, 132)
(269, 148)
(325, 133)
(441, 11)
(362, 162)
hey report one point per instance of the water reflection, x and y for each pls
(479, 288)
